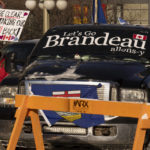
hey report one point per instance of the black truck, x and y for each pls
(103, 62)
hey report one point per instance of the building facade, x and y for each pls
(134, 11)
(80, 12)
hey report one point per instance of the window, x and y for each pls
(135, 13)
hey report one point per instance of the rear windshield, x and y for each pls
(21, 50)
(95, 41)
(18, 47)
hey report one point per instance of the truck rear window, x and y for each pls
(95, 41)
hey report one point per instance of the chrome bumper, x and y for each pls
(123, 135)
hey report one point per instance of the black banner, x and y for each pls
(115, 40)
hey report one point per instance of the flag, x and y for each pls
(123, 22)
(69, 94)
(3, 72)
(139, 37)
(98, 13)
(69, 90)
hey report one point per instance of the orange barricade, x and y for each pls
(29, 105)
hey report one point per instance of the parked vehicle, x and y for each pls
(77, 58)
(16, 53)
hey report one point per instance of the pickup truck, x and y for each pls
(103, 62)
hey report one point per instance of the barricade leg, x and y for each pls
(20, 117)
(142, 125)
(36, 129)
(139, 136)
